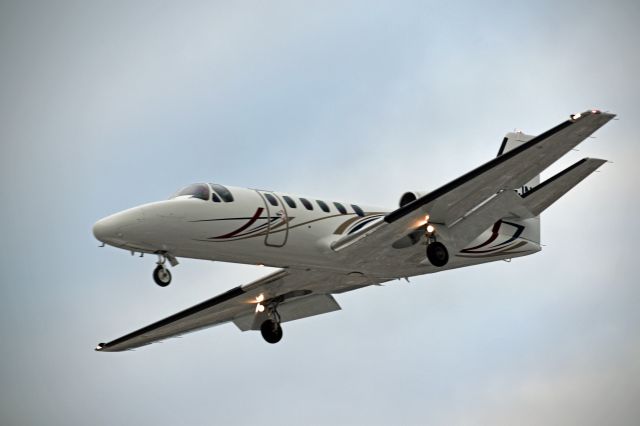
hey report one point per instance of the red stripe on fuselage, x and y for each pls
(243, 227)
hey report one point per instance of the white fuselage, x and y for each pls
(263, 227)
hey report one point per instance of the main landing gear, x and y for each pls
(270, 328)
(437, 252)
(271, 331)
(162, 275)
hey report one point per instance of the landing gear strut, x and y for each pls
(162, 275)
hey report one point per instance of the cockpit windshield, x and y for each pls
(196, 190)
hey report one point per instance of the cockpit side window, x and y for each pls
(196, 190)
(223, 192)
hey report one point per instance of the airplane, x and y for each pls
(323, 247)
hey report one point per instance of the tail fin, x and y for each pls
(532, 225)
(513, 140)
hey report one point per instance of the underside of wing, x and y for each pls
(297, 294)
(509, 171)
(467, 206)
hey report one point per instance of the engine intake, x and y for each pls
(410, 196)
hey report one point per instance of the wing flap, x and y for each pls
(292, 310)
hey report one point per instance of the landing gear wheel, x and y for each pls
(162, 276)
(437, 254)
(271, 331)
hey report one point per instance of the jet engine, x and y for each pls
(410, 196)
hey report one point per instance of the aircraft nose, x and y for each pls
(105, 229)
(111, 228)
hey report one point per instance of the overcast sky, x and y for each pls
(106, 105)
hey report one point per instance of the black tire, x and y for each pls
(162, 276)
(271, 331)
(437, 254)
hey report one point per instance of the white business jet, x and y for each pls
(325, 247)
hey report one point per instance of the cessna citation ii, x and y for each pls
(325, 247)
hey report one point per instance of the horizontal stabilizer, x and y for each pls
(549, 191)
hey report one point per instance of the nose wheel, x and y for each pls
(162, 276)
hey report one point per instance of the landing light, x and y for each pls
(430, 229)
(423, 221)
(259, 305)
(576, 116)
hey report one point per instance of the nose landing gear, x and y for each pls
(162, 275)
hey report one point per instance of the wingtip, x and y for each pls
(99, 347)
(600, 112)
(593, 116)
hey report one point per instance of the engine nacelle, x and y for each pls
(408, 197)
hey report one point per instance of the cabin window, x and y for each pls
(289, 201)
(340, 208)
(323, 206)
(196, 190)
(223, 192)
(272, 200)
(306, 203)
(357, 209)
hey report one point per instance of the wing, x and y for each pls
(300, 294)
(465, 207)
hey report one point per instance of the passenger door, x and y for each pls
(277, 219)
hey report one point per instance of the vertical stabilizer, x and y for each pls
(513, 140)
